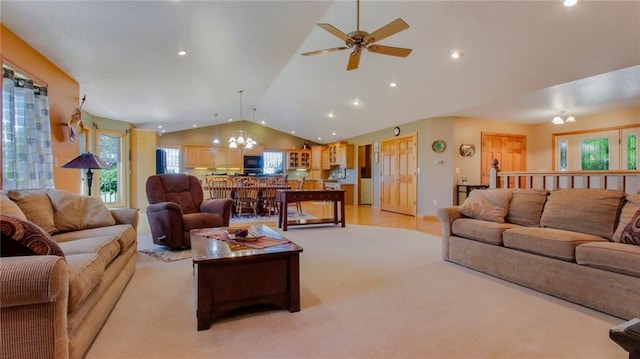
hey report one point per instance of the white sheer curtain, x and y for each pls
(27, 157)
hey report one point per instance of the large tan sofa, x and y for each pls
(567, 243)
(53, 306)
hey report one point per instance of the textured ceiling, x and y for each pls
(523, 61)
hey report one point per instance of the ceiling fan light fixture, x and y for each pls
(570, 119)
(456, 55)
(358, 40)
(557, 120)
(569, 3)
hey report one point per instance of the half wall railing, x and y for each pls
(625, 180)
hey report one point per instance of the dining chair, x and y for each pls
(296, 184)
(246, 195)
(270, 195)
(220, 187)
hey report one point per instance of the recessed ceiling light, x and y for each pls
(456, 55)
(333, 133)
(263, 122)
(356, 102)
(569, 3)
(163, 131)
(293, 131)
(331, 114)
(319, 138)
(230, 119)
(159, 126)
(182, 52)
(195, 125)
(393, 84)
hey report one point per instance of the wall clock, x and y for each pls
(396, 131)
(438, 146)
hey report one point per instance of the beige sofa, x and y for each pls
(53, 306)
(567, 243)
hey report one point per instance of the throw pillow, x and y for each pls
(583, 210)
(631, 206)
(526, 207)
(631, 232)
(25, 238)
(36, 207)
(488, 205)
(9, 207)
(75, 212)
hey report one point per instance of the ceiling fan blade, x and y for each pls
(387, 30)
(354, 60)
(389, 50)
(324, 51)
(333, 30)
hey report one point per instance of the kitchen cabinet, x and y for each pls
(257, 150)
(320, 158)
(341, 155)
(227, 158)
(298, 159)
(198, 157)
(348, 187)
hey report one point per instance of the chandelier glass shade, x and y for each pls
(241, 137)
(563, 118)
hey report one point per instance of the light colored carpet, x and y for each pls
(366, 292)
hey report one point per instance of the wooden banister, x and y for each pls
(625, 180)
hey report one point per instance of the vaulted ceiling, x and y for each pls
(523, 61)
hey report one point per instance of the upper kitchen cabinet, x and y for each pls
(341, 155)
(298, 159)
(198, 157)
(320, 158)
(228, 158)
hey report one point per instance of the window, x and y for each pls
(111, 149)
(632, 151)
(27, 156)
(596, 150)
(173, 159)
(273, 162)
(595, 154)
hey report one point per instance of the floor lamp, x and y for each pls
(87, 161)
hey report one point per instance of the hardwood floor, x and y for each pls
(368, 215)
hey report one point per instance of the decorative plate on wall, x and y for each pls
(467, 150)
(438, 146)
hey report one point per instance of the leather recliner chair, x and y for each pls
(177, 205)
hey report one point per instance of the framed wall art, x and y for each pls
(467, 150)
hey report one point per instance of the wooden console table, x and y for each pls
(288, 196)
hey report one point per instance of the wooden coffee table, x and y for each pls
(228, 280)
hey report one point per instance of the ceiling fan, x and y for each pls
(358, 40)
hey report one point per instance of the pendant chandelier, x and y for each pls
(216, 141)
(241, 137)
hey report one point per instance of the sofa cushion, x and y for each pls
(9, 207)
(125, 233)
(554, 243)
(107, 247)
(489, 205)
(73, 212)
(629, 209)
(631, 232)
(590, 211)
(526, 207)
(479, 230)
(85, 272)
(36, 207)
(24, 238)
(614, 257)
